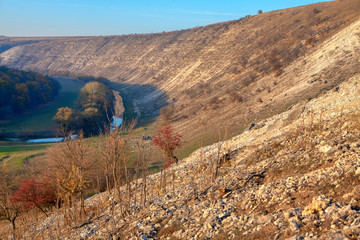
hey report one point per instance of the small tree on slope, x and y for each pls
(167, 140)
(34, 193)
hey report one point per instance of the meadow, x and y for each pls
(13, 154)
(40, 119)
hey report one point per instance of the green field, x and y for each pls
(40, 119)
(13, 154)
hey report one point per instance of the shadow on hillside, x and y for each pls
(144, 98)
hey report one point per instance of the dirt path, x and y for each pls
(118, 105)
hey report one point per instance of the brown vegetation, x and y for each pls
(263, 82)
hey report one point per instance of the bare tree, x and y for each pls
(142, 164)
(8, 210)
(222, 137)
(72, 163)
(113, 157)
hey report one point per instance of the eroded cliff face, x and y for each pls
(233, 72)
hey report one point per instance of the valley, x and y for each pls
(239, 71)
(245, 129)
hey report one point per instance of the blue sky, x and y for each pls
(116, 17)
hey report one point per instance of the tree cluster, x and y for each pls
(24, 90)
(94, 110)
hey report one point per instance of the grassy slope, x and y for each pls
(13, 154)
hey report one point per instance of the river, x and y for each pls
(116, 122)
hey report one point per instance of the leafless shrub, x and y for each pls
(166, 113)
(243, 61)
(142, 163)
(198, 89)
(316, 11)
(9, 210)
(191, 92)
(72, 163)
(310, 41)
(248, 79)
(222, 136)
(114, 161)
(214, 100)
(276, 67)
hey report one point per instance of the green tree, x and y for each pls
(68, 119)
(23, 90)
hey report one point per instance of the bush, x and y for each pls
(167, 140)
(34, 193)
(235, 96)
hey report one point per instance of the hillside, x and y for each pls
(277, 93)
(293, 176)
(240, 71)
(8, 42)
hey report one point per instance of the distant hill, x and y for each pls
(23, 90)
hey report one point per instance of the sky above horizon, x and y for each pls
(117, 17)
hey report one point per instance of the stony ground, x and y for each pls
(293, 176)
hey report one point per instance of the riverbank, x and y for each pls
(38, 126)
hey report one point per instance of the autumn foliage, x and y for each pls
(167, 140)
(33, 193)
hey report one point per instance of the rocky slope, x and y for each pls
(292, 176)
(239, 71)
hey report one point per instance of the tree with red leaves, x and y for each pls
(34, 193)
(167, 140)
